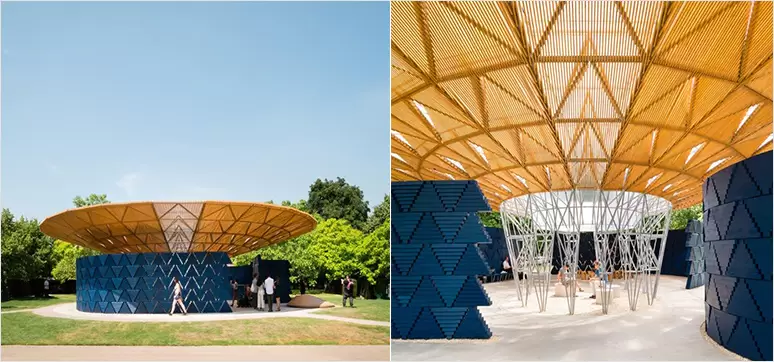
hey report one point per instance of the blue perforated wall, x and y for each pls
(142, 283)
(694, 255)
(435, 260)
(738, 257)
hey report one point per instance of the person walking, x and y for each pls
(254, 292)
(268, 284)
(45, 287)
(347, 288)
(177, 297)
(235, 291)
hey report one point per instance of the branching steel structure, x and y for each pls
(629, 229)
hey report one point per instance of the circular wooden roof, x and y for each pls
(528, 97)
(215, 226)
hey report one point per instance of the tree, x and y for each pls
(303, 264)
(373, 253)
(491, 219)
(338, 200)
(65, 255)
(300, 205)
(26, 251)
(380, 214)
(681, 217)
(335, 244)
(92, 199)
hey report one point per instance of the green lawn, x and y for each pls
(32, 302)
(373, 309)
(26, 328)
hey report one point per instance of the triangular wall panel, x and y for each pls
(738, 257)
(142, 282)
(436, 261)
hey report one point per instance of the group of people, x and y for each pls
(259, 295)
(565, 277)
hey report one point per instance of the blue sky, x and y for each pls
(191, 101)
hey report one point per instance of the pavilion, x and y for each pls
(148, 243)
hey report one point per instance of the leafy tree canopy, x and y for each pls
(334, 249)
(300, 205)
(374, 253)
(92, 199)
(338, 200)
(26, 251)
(491, 219)
(681, 217)
(380, 214)
(64, 254)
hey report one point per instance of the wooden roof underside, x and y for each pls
(535, 96)
(215, 226)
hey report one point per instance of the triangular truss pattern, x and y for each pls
(210, 226)
(488, 90)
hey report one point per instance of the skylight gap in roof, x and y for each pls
(400, 137)
(747, 115)
(479, 150)
(422, 110)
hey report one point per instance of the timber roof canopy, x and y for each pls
(215, 226)
(527, 97)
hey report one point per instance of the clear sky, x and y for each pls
(191, 101)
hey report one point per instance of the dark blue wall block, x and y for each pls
(438, 323)
(436, 260)
(142, 282)
(737, 253)
(242, 274)
(496, 251)
(694, 255)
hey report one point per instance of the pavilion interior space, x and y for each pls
(591, 123)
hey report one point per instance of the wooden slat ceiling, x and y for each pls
(533, 96)
(215, 226)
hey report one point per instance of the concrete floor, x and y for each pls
(670, 329)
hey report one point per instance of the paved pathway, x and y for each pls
(15, 311)
(210, 353)
(68, 310)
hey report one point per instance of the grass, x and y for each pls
(34, 302)
(372, 309)
(26, 328)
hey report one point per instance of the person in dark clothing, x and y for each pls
(348, 287)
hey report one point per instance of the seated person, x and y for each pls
(566, 278)
(507, 265)
(597, 275)
(244, 301)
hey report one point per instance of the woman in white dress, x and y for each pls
(177, 297)
(261, 296)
